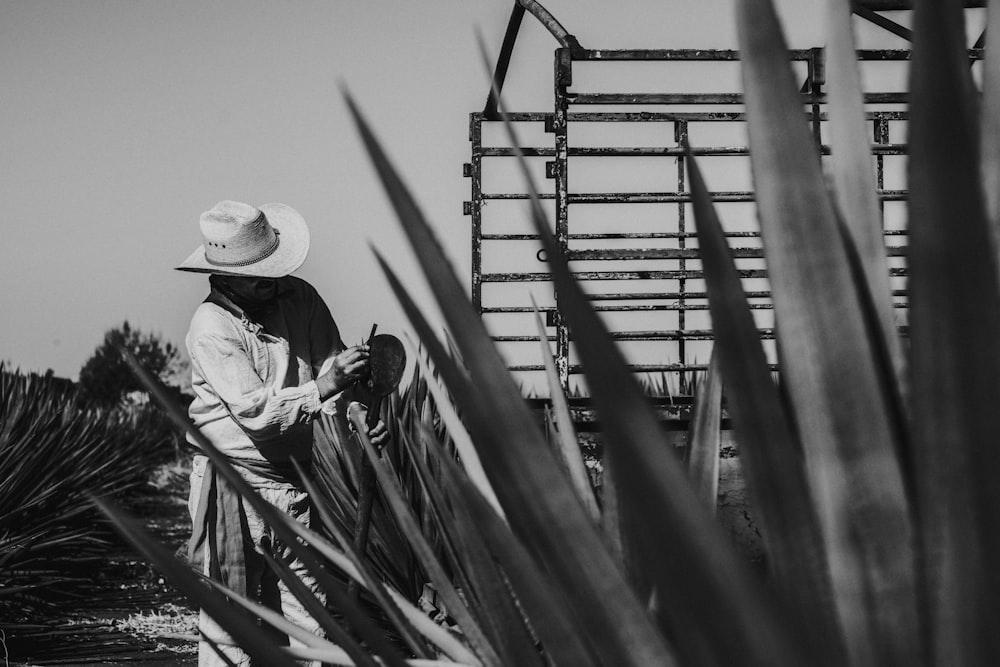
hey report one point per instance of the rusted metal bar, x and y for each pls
(690, 334)
(691, 116)
(658, 151)
(636, 296)
(883, 22)
(576, 369)
(637, 254)
(643, 308)
(656, 197)
(898, 5)
(490, 111)
(616, 235)
(669, 116)
(713, 98)
(881, 138)
(551, 24)
(476, 210)
(560, 129)
(718, 55)
(534, 277)
(681, 136)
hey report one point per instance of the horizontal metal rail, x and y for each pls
(658, 151)
(619, 254)
(655, 197)
(644, 235)
(533, 277)
(639, 296)
(712, 98)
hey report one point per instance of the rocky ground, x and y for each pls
(127, 614)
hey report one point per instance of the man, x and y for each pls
(266, 359)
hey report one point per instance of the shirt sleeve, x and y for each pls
(261, 411)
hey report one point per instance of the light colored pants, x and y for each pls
(263, 584)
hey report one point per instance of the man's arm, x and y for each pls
(261, 411)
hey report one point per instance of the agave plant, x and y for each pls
(868, 462)
(52, 454)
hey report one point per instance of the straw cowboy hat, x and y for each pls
(243, 240)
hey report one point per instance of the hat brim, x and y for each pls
(293, 246)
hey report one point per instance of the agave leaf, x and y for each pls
(955, 321)
(854, 175)
(401, 509)
(831, 361)
(487, 584)
(543, 604)
(568, 447)
(278, 621)
(536, 497)
(679, 550)
(694, 569)
(285, 528)
(348, 561)
(990, 119)
(356, 568)
(611, 524)
(341, 638)
(705, 437)
(236, 623)
(459, 435)
(770, 454)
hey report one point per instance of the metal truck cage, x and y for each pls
(619, 199)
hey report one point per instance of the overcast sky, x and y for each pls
(121, 121)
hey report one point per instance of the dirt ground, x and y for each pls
(133, 616)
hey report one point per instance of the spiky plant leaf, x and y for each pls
(545, 606)
(459, 435)
(955, 322)
(832, 361)
(285, 528)
(567, 444)
(401, 509)
(770, 453)
(389, 599)
(990, 119)
(657, 507)
(854, 174)
(487, 589)
(405, 616)
(236, 623)
(705, 436)
(536, 497)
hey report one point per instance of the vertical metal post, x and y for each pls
(881, 128)
(817, 77)
(560, 128)
(475, 209)
(681, 138)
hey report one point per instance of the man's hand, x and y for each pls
(348, 367)
(379, 434)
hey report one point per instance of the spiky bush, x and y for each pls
(53, 455)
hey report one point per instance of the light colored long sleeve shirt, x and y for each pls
(254, 382)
